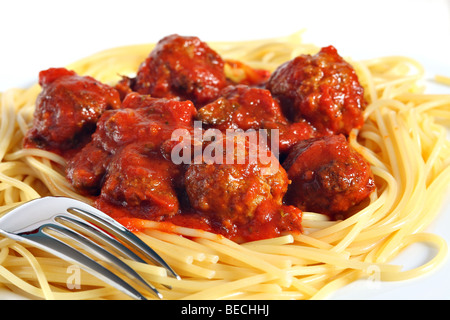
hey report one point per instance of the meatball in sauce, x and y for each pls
(239, 195)
(328, 175)
(67, 109)
(184, 68)
(322, 89)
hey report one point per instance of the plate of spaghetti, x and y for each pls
(265, 169)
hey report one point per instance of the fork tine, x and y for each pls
(100, 236)
(59, 214)
(107, 256)
(119, 231)
(64, 251)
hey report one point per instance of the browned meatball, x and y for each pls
(322, 89)
(231, 192)
(141, 182)
(86, 169)
(328, 175)
(244, 107)
(143, 120)
(182, 67)
(67, 109)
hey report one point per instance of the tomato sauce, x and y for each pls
(119, 146)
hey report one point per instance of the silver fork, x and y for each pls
(47, 222)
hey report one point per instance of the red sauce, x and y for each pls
(245, 107)
(68, 109)
(327, 175)
(182, 67)
(119, 147)
(322, 89)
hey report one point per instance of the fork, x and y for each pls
(46, 223)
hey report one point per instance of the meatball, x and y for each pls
(144, 120)
(231, 192)
(68, 108)
(141, 182)
(244, 107)
(322, 89)
(181, 67)
(328, 175)
(86, 169)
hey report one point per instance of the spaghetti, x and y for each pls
(404, 139)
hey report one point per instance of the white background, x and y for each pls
(36, 35)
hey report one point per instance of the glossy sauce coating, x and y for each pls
(327, 175)
(245, 107)
(184, 68)
(322, 89)
(231, 193)
(125, 162)
(68, 108)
